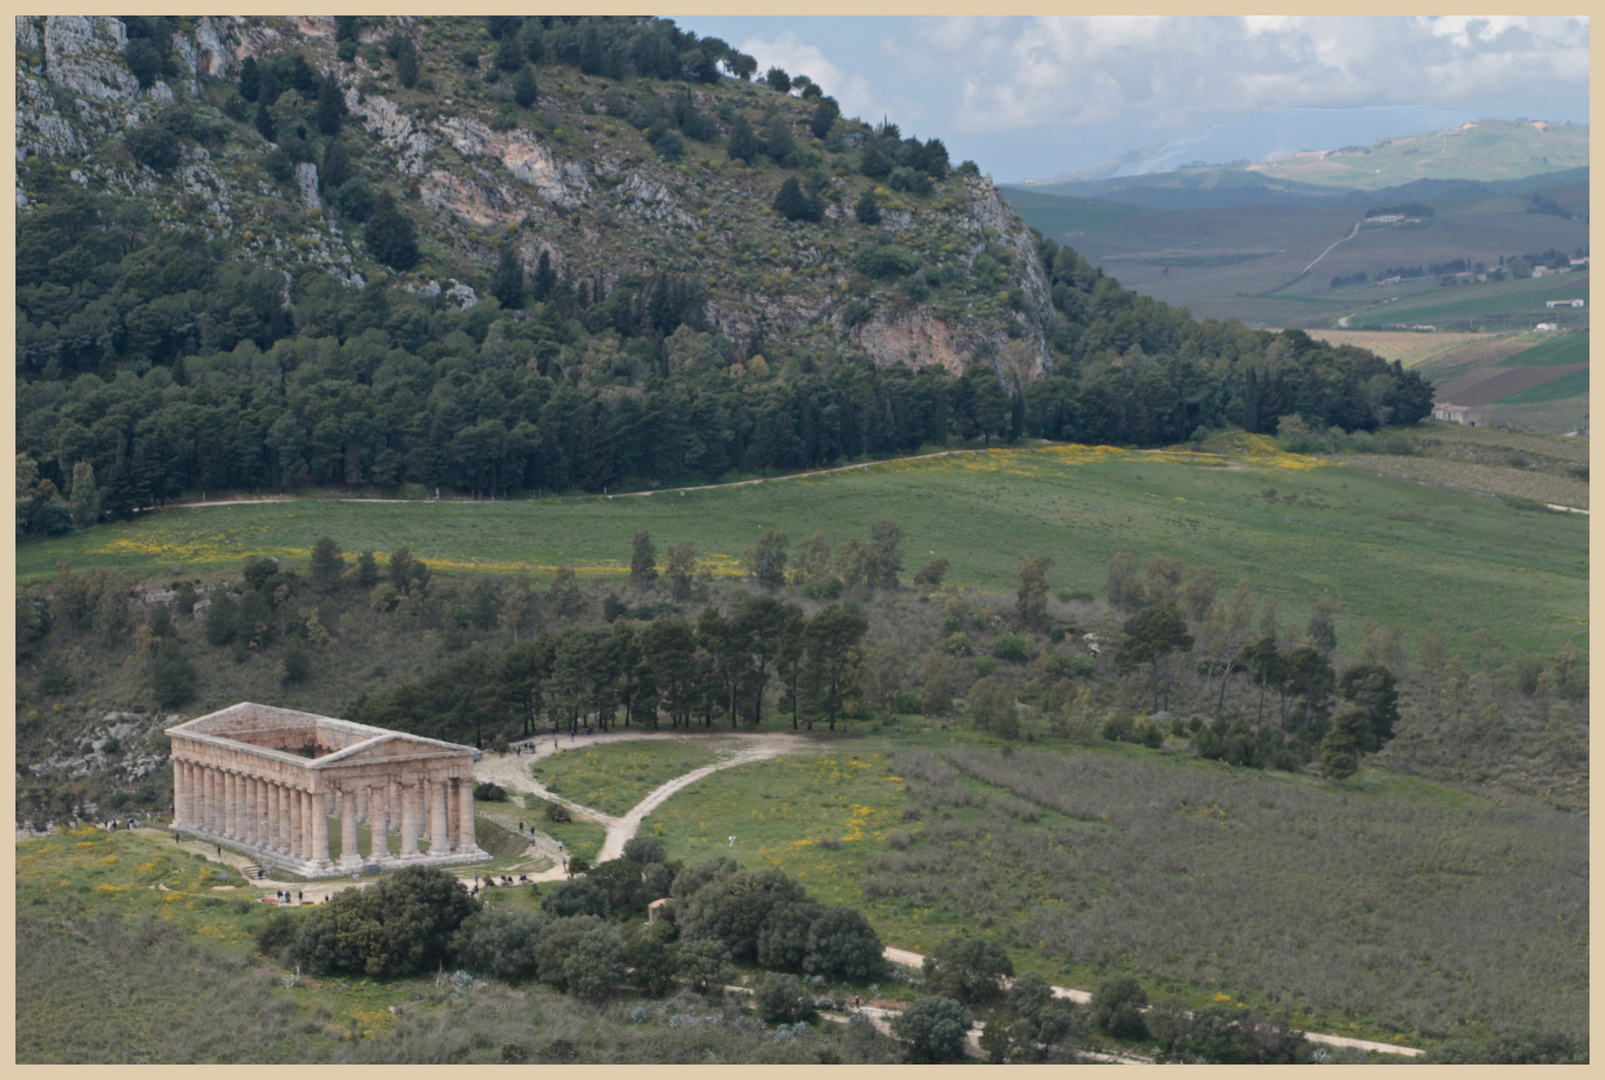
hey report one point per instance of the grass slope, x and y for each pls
(1556, 352)
(1489, 150)
(1389, 551)
(1566, 387)
(1387, 904)
(613, 779)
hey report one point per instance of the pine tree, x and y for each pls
(525, 88)
(868, 209)
(508, 284)
(390, 236)
(792, 204)
(1340, 750)
(172, 676)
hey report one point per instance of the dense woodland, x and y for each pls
(171, 362)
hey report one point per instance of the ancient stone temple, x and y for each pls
(266, 781)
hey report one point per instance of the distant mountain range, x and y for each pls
(1211, 189)
(1269, 138)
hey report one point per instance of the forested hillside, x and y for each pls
(500, 256)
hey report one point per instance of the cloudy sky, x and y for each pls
(1035, 97)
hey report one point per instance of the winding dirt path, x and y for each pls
(511, 771)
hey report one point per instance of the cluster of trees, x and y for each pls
(719, 666)
(615, 47)
(422, 919)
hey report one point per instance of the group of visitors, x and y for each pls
(284, 897)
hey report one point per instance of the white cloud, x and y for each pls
(794, 56)
(1168, 72)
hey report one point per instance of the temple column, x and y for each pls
(378, 826)
(320, 828)
(231, 804)
(409, 821)
(179, 806)
(211, 800)
(275, 816)
(453, 804)
(253, 811)
(286, 818)
(297, 848)
(439, 841)
(307, 851)
(350, 857)
(465, 814)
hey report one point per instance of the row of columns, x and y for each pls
(236, 805)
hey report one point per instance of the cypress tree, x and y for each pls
(407, 63)
(545, 278)
(508, 284)
(331, 107)
(250, 78)
(264, 121)
(743, 143)
(336, 168)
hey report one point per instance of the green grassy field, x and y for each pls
(1574, 385)
(1371, 908)
(1556, 352)
(1390, 551)
(127, 953)
(1495, 306)
(614, 778)
(1057, 215)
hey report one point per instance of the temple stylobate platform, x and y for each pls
(266, 781)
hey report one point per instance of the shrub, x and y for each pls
(488, 792)
(886, 261)
(557, 812)
(935, 1029)
(1117, 1007)
(500, 942)
(1084, 665)
(783, 999)
(1015, 648)
(1119, 727)
(970, 970)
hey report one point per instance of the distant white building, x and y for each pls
(1457, 414)
(1562, 303)
(1547, 326)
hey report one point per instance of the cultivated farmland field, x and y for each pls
(1389, 551)
(1411, 348)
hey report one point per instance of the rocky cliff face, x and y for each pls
(577, 183)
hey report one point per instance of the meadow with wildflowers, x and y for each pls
(1387, 549)
(1376, 908)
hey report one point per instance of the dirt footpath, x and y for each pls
(511, 771)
